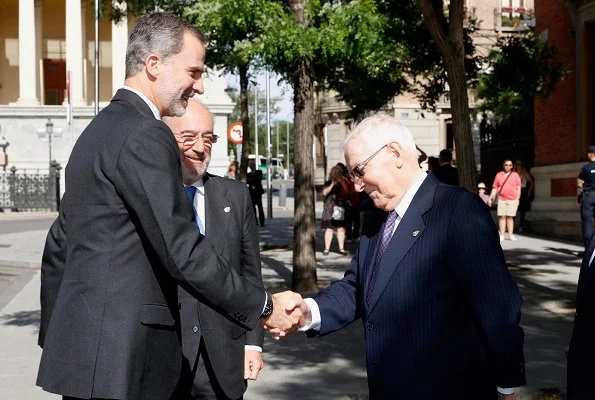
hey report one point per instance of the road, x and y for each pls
(12, 280)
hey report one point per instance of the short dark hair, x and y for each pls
(445, 155)
(158, 33)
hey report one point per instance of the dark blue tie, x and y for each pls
(190, 192)
(387, 233)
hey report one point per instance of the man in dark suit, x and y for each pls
(581, 353)
(126, 238)
(446, 173)
(218, 354)
(440, 310)
(256, 190)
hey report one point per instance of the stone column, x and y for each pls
(119, 43)
(27, 60)
(39, 49)
(74, 51)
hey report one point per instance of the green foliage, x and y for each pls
(519, 68)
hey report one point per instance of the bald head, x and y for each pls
(194, 133)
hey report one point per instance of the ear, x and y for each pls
(153, 65)
(396, 149)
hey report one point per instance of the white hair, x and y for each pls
(380, 128)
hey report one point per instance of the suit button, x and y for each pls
(371, 326)
(195, 329)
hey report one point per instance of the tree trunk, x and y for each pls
(449, 38)
(304, 228)
(243, 68)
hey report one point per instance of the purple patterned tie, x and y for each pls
(387, 233)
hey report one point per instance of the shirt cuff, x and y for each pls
(255, 348)
(315, 313)
(505, 390)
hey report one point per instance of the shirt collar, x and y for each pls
(401, 209)
(152, 106)
(199, 185)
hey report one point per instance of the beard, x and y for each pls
(174, 101)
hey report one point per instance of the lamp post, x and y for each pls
(49, 129)
(256, 157)
(269, 150)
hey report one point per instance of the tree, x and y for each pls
(231, 27)
(518, 68)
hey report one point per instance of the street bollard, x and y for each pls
(282, 194)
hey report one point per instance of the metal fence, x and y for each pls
(30, 190)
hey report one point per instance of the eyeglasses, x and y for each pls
(358, 170)
(189, 140)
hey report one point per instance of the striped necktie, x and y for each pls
(387, 233)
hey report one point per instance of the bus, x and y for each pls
(276, 166)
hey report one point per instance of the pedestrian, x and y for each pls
(506, 191)
(126, 237)
(352, 208)
(433, 164)
(481, 191)
(586, 187)
(446, 172)
(336, 194)
(440, 309)
(256, 190)
(232, 171)
(527, 190)
(218, 356)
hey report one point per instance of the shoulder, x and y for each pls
(226, 183)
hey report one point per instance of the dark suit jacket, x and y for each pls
(448, 174)
(581, 353)
(236, 236)
(130, 240)
(443, 318)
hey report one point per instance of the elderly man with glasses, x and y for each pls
(507, 189)
(429, 281)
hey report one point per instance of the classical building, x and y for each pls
(564, 123)
(47, 72)
(432, 131)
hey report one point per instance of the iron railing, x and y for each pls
(30, 190)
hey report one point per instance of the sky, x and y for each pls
(278, 89)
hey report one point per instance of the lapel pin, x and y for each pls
(227, 209)
(415, 233)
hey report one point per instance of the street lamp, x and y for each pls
(269, 149)
(47, 134)
(257, 158)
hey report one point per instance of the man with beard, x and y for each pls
(126, 238)
(218, 355)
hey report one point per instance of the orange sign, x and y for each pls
(235, 133)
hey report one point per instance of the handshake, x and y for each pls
(290, 312)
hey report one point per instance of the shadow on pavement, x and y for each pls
(22, 318)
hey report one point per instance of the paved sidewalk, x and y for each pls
(331, 367)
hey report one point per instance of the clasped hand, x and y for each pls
(290, 312)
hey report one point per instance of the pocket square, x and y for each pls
(227, 209)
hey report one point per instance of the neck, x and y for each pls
(136, 82)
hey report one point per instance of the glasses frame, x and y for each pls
(358, 170)
(188, 142)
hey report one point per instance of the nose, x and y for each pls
(198, 86)
(199, 147)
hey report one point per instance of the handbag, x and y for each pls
(338, 213)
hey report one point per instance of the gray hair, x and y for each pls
(158, 33)
(381, 128)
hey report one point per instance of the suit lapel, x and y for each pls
(411, 228)
(216, 202)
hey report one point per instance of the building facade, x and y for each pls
(47, 72)
(433, 130)
(564, 123)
